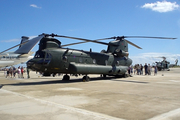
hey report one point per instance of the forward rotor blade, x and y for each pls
(86, 40)
(133, 44)
(72, 44)
(13, 47)
(96, 41)
(106, 38)
(29, 46)
(112, 37)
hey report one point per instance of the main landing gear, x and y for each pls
(84, 79)
(66, 77)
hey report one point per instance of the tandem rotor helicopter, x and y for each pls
(53, 58)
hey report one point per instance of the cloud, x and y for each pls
(150, 58)
(30, 37)
(12, 40)
(35, 6)
(161, 7)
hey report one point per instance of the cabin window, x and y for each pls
(117, 62)
(64, 58)
(106, 62)
(80, 60)
(94, 61)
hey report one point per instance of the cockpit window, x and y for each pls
(48, 55)
(64, 58)
(39, 54)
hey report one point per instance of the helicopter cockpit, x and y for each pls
(45, 57)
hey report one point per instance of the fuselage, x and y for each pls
(70, 61)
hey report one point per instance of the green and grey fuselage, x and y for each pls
(51, 58)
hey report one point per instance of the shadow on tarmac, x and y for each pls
(68, 81)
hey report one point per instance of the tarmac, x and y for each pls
(141, 97)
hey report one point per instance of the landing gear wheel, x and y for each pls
(54, 74)
(125, 75)
(104, 75)
(66, 77)
(85, 79)
(46, 74)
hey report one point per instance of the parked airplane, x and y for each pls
(21, 55)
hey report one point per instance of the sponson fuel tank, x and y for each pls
(97, 69)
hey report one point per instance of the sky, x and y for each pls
(95, 19)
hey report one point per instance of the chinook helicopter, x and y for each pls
(164, 64)
(52, 58)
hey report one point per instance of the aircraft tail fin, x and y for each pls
(29, 44)
(23, 40)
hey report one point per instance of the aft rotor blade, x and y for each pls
(133, 44)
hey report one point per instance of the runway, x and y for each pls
(49, 98)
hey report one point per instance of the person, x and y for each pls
(19, 72)
(28, 76)
(11, 71)
(7, 74)
(141, 69)
(22, 71)
(138, 69)
(135, 68)
(14, 72)
(146, 68)
(149, 69)
(155, 70)
(129, 70)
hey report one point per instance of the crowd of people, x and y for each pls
(14, 72)
(139, 69)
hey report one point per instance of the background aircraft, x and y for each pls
(21, 55)
(164, 64)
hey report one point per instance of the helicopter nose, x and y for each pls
(37, 65)
(32, 65)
